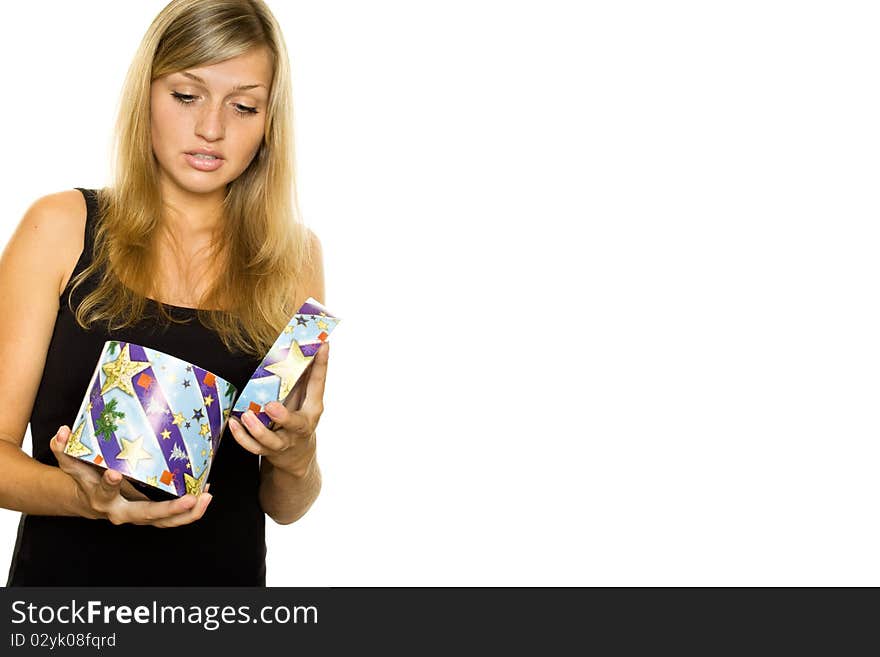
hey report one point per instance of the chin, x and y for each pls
(198, 182)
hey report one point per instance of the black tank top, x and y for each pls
(226, 547)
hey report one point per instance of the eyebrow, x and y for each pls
(240, 87)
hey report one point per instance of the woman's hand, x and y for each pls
(289, 441)
(109, 496)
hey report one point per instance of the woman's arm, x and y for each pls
(35, 488)
(36, 260)
(286, 494)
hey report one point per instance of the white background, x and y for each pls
(607, 274)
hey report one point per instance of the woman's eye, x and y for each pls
(244, 109)
(240, 109)
(183, 98)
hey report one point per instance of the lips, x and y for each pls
(205, 151)
(204, 163)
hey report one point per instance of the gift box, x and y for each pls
(290, 355)
(158, 419)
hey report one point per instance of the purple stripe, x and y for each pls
(217, 435)
(310, 349)
(159, 422)
(214, 408)
(311, 309)
(261, 371)
(104, 446)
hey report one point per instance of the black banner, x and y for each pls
(301, 620)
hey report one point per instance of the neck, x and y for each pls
(189, 228)
(191, 217)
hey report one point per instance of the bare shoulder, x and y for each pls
(58, 221)
(46, 241)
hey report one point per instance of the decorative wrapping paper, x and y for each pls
(158, 419)
(288, 358)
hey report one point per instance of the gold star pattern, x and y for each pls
(90, 406)
(289, 369)
(74, 447)
(288, 329)
(178, 419)
(133, 451)
(321, 324)
(194, 485)
(209, 400)
(120, 371)
(166, 434)
(153, 480)
(204, 429)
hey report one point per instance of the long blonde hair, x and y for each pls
(262, 240)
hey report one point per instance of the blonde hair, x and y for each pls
(261, 239)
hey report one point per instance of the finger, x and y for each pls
(109, 485)
(130, 492)
(243, 438)
(70, 464)
(278, 412)
(292, 422)
(295, 400)
(269, 439)
(193, 514)
(313, 405)
(59, 442)
(163, 513)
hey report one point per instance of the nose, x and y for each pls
(209, 124)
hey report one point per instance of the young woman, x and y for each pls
(197, 249)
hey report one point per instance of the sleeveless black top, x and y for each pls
(226, 547)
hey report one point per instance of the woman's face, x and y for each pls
(187, 115)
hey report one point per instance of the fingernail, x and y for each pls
(273, 408)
